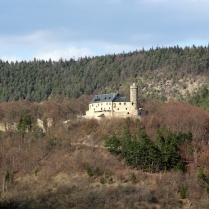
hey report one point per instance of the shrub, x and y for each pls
(90, 172)
(181, 167)
(207, 189)
(102, 180)
(201, 174)
(133, 178)
(97, 171)
(182, 192)
(111, 180)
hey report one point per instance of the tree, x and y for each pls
(113, 144)
(24, 125)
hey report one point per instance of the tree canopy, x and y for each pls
(39, 80)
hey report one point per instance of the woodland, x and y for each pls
(160, 73)
(157, 161)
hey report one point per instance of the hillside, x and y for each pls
(70, 166)
(162, 73)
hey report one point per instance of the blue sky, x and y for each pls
(46, 29)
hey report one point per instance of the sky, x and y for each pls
(51, 29)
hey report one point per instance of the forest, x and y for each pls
(162, 73)
(157, 161)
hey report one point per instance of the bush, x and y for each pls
(97, 171)
(102, 180)
(90, 172)
(111, 180)
(182, 192)
(201, 174)
(181, 167)
(207, 189)
(133, 178)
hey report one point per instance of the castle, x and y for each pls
(113, 105)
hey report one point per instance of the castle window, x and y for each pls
(118, 108)
(132, 103)
(119, 103)
(128, 113)
(124, 103)
(109, 103)
(126, 108)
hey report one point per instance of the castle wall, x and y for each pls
(111, 109)
(100, 106)
(120, 106)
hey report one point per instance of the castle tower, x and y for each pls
(134, 96)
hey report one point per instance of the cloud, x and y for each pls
(33, 39)
(64, 53)
(73, 28)
(41, 45)
(51, 45)
(12, 58)
(48, 45)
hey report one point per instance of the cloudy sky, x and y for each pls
(76, 28)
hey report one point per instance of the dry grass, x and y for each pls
(51, 171)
